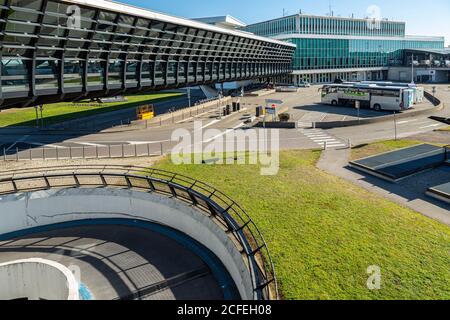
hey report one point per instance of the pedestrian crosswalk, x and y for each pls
(321, 138)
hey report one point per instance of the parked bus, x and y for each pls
(419, 92)
(369, 95)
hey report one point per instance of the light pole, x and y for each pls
(37, 116)
(189, 96)
(41, 107)
(395, 125)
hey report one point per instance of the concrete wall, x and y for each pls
(27, 210)
(37, 279)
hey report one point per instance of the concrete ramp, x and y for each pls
(397, 165)
(38, 198)
(209, 92)
(441, 192)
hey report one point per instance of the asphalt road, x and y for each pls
(121, 262)
(138, 139)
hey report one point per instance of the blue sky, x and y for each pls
(422, 17)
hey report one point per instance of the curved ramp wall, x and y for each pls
(34, 209)
(36, 279)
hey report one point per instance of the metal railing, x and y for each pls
(84, 152)
(221, 209)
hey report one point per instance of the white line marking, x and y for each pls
(47, 145)
(431, 126)
(15, 143)
(91, 144)
(326, 140)
(225, 132)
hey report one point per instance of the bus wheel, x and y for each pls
(334, 103)
(377, 107)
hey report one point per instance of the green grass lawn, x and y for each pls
(324, 232)
(59, 112)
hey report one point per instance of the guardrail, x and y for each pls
(84, 152)
(221, 209)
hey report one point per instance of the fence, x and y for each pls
(85, 152)
(221, 209)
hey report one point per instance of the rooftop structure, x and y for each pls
(75, 49)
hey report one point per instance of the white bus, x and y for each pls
(369, 95)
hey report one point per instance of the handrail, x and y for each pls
(219, 207)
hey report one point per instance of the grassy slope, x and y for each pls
(58, 112)
(324, 232)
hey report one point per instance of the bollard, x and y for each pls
(43, 153)
(123, 151)
(148, 149)
(161, 146)
(135, 150)
(83, 153)
(4, 154)
(31, 156)
(96, 152)
(325, 145)
(109, 151)
(57, 153)
(314, 125)
(70, 152)
(17, 153)
(349, 143)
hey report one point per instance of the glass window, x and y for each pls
(14, 75)
(47, 74)
(96, 73)
(115, 70)
(73, 73)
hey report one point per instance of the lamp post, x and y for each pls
(189, 95)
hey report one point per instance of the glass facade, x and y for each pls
(314, 54)
(303, 24)
(325, 43)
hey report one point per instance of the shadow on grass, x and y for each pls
(97, 109)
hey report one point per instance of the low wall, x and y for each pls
(260, 93)
(36, 279)
(194, 110)
(276, 125)
(41, 208)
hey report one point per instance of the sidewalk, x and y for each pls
(408, 193)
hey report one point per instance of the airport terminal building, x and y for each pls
(54, 50)
(351, 49)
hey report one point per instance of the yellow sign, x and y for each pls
(145, 112)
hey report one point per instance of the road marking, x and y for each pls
(320, 138)
(225, 132)
(326, 140)
(431, 126)
(46, 145)
(91, 144)
(406, 121)
(15, 143)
